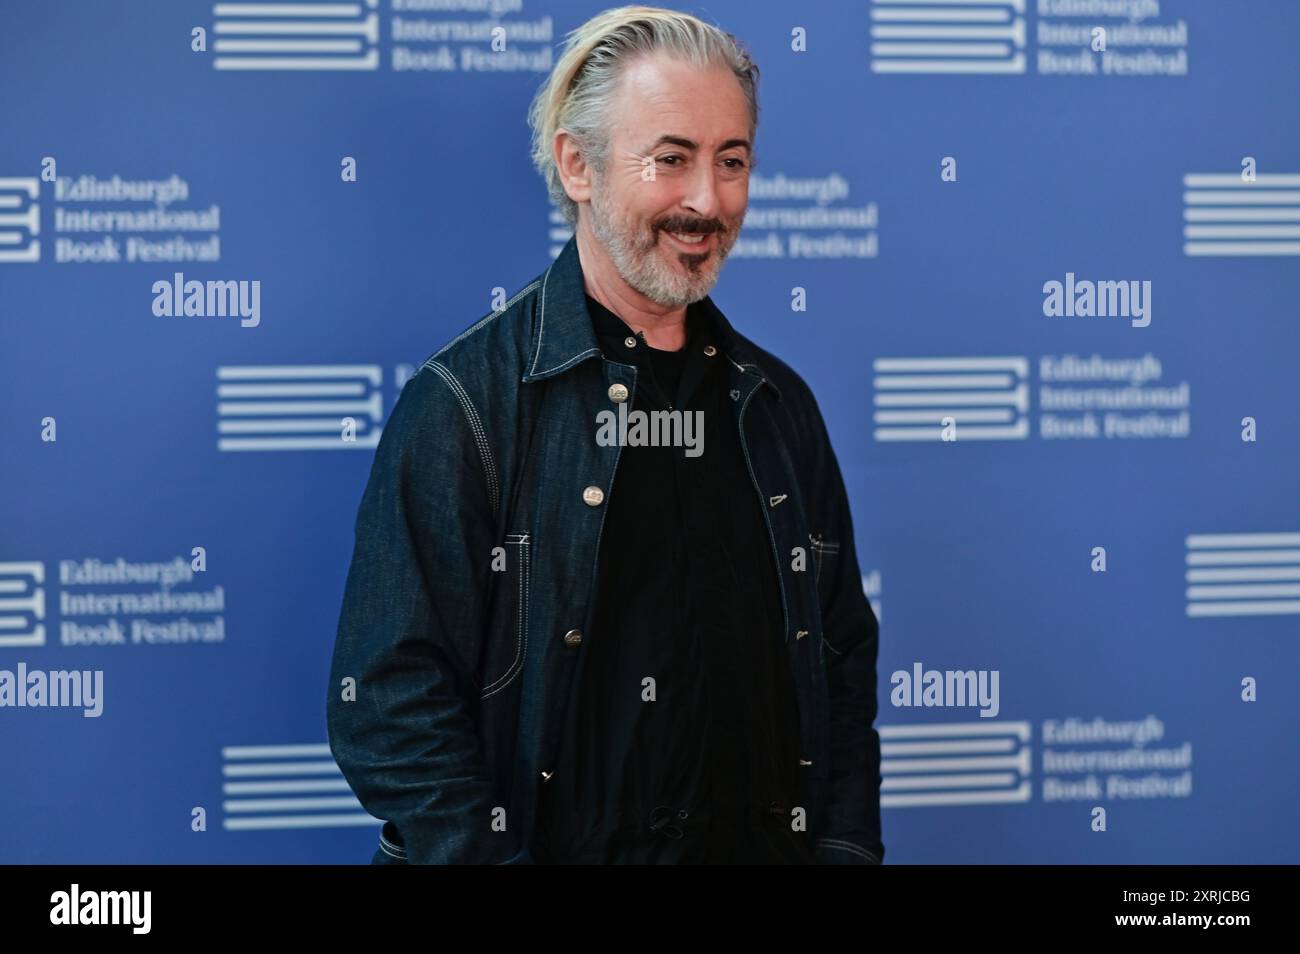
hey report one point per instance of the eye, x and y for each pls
(671, 156)
(739, 163)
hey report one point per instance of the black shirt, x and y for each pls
(681, 741)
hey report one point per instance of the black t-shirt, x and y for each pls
(681, 740)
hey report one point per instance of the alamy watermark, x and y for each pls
(949, 688)
(675, 428)
(1084, 298)
(130, 908)
(59, 688)
(179, 298)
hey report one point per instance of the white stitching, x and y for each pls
(572, 361)
(521, 641)
(771, 534)
(486, 319)
(480, 435)
(822, 549)
(847, 846)
(759, 372)
(390, 849)
(541, 328)
(541, 323)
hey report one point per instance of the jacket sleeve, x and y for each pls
(851, 834)
(409, 633)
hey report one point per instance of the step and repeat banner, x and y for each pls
(1039, 261)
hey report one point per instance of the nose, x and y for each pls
(701, 192)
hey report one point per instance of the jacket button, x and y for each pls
(630, 341)
(618, 393)
(573, 638)
(710, 350)
(592, 496)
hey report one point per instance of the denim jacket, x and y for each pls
(473, 578)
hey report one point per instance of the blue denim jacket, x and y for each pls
(473, 579)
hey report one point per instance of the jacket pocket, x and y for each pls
(504, 643)
(826, 559)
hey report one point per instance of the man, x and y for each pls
(563, 643)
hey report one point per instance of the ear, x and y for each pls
(575, 174)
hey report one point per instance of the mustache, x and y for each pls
(697, 227)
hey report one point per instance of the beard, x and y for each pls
(652, 264)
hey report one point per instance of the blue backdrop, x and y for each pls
(1099, 507)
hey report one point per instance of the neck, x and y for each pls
(664, 327)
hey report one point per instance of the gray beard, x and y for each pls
(639, 264)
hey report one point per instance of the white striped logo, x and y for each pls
(286, 786)
(264, 35)
(958, 763)
(19, 226)
(22, 604)
(558, 232)
(1224, 214)
(298, 407)
(1243, 574)
(987, 398)
(948, 36)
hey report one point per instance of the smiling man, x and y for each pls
(656, 215)
(560, 648)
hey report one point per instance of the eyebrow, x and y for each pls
(693, 146)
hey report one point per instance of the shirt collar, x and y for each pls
(566, 334)
(612, 331)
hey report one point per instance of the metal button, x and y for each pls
(710, 350)
(618, 393)
(592, 496)
(546, 776)
(573, 638)
(630, 342)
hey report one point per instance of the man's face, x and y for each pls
(678, 163)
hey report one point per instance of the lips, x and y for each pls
(692, 248)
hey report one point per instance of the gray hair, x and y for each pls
(577, 95)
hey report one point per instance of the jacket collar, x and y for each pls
(565, 336)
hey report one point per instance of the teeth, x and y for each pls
(688, 239)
